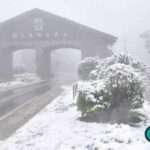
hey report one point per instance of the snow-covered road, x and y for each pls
(19, 81)
(57, 127)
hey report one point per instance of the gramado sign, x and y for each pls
(38, 26)
(37, 35)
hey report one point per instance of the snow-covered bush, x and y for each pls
(86, 66)
(91, 98)
(118, 90)
(121, 58)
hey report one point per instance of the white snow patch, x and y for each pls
(20, 80)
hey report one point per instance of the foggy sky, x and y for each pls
(126, 19)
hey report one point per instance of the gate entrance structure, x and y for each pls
(44, 32)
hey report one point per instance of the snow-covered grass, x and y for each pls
(57, 127)
(20, 80)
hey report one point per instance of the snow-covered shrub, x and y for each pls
(122, 58)
(91, 98)
(127, 92)
(86, 66)
(117, 90)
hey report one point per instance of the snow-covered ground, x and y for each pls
(57, 127)
(20, 80)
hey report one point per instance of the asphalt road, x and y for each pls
(19, 105)
(12, 99)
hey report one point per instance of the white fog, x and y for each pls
(74, 74)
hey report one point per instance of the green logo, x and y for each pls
(147, 134)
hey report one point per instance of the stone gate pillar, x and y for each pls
(43, 64)
(6, 65)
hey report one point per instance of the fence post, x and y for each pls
(75, 90)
